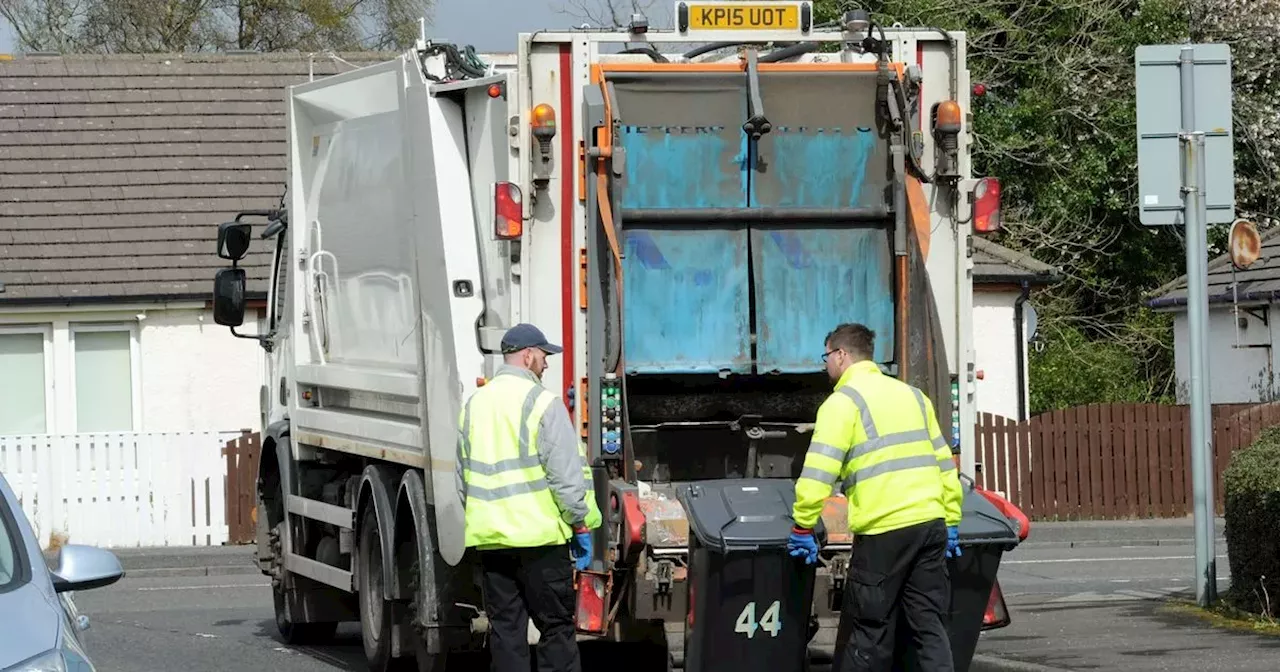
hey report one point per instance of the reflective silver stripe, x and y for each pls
(888, 441)
(946, 464)
(502, 492)
(526, 411)
(924, 410)
(815, 474)
(464, 445)
(501, 466)
(939, 443)
(868, 425)
(890, 466)
(826, 450)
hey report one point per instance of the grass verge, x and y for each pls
(1223, 615)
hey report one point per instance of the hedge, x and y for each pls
(1251, 485)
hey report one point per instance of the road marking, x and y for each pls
(223, 585)
(1066, 560)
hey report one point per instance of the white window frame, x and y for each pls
(50, 389)
(135, 366)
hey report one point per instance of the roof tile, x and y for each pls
(115, 170)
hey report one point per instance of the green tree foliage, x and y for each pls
(139, 26)
(1058, 127)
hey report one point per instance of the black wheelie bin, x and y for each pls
(750, 602)
(986, 534)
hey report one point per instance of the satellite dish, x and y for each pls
(1245, 243)
(1032, 321)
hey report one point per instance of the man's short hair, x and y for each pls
(854, 339)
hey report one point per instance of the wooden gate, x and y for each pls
(242, 479)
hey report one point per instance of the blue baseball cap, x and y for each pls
(526, 335)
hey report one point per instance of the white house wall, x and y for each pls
(196, 375)
(996, 352)
(1236, 375)
(189, 374)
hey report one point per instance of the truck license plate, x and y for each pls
(743, 16)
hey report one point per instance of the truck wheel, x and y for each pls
(376, 613)
(296, 634)
(292, 634)
(422, 660)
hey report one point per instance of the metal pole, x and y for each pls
(1208, 469)
(1197, 289)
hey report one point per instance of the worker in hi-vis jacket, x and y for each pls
(877, 439)
(530, 507)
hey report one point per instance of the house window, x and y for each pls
(105, 388)
(24, 395)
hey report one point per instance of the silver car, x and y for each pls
(39, 625)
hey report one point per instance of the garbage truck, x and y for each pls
(688, 210)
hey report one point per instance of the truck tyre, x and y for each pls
(376, 613)
(299, 634)
(291, 633)
(423, 661)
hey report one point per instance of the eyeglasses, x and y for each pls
(828, 353)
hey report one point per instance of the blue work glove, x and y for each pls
(581, 548)
(801, 543)
(953, 542)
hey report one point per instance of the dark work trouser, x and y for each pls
(896, 579)
(530, 582)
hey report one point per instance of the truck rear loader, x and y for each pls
(687, 211)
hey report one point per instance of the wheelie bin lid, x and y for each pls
(741, 514)
(982, 523)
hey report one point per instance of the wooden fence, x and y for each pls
(242, 479)
(1108, 461)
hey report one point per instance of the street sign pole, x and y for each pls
(1186, 176)
(1195, 218)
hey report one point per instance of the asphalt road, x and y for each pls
(209, 623)
(1108, 573)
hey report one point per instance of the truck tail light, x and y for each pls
(997, 614)
(986, 205)
(508, 211)
(593, 601)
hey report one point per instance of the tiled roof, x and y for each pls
(996, 264)
(115, 170)
(1260, 282)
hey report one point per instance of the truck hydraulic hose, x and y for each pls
(652, 53)
(604, 146)
(606, 221)
(789, 52)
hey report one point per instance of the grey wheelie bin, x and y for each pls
(749, 601)
(986, 535)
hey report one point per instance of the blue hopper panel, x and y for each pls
(686, 300)
(703, 168)
(809, 280)
(827, 168)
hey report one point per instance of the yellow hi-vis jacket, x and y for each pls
(522, 470)
(877, 437)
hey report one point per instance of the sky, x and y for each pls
(489, 25)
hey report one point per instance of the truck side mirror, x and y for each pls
(228, 297)
(233, 240)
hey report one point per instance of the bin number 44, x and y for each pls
(771, 622)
